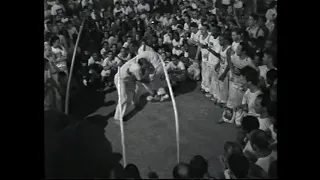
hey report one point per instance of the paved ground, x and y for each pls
(150, 135)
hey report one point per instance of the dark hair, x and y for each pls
(239, 165)
(250, 74)
(259, 138)
(54, 39)
(237, 31)
(198, 166)
(255, 17)
(272, 75)
(174, 56)
(132, 172)
(193, 24)
(250, 123)
(272, 109)
(181, 171)
(245, 47)
(228, 38)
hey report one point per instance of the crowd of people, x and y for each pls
(230, 46)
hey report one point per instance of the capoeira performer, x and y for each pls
(157, 84)
(135, 70)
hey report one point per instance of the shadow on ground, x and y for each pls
(184, 88)
(78, 150)
(142, 103)
(87, 102)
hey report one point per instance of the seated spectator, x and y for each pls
(260, 144)
(251, 77)
(132, 172)
(181, 171)
(123, 56)
(176, 71)
(110, 68)
(261, 103)
(94, 59)
(249, 123)
(238, 167)
(198, 167)
(92, 79)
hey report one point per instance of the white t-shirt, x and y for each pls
(249, 99)
(145, 7)
(234, 46)
(215, 46)
(171, 66)
(56, 7)
(265, 162)
(127, 10)
(264, 123)
(226, 2)
(204, 51)
(195, 37)
(115, 11)
(238, 4)
(167, 39)
(164, 21)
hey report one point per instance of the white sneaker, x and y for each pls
(165, 97)
(149, 98)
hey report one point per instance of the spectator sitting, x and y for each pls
(260, 144)
(181, 171)
(176, 71)
(238, 167)
(198, 167)
(261, 103)
(249, 124)
(132, 172)
(110, 68)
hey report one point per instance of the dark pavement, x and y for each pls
(88, 148)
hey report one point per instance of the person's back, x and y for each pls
(198, 166)
(181, 171)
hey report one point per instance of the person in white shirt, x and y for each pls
(203, 48)
(110, 67)
(260, 106)
(130, 73)
(247, 107)
(253, 29)
(56, 7)
(177, 44)
(167, 38)
(59, 54)
(117, 9)
(143, 8)
(259, 140)
(94, 59)
(268, 64)
(249, 124)
(123, 56)
(165, 20)
(105, 48)
(214, 48)
(176, 71)
(223, 70)
(239, 60)
(195, 34)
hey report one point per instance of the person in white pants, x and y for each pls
(203, 48)
(130, 73)
(239, 60)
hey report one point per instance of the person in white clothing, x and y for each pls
(251, 78)
(214, 48)
(143, 8)
(223, 70)
(117, 9)
(268, 64)
(203, 45)
(130, 73)
(123, 56)
(110, 67)
(260, 106)
(56, 6)
(176, 71)
(239, 60)
(177, 44)
(259, 140)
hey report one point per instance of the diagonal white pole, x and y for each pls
(174, 109)
(66, 110)
(121, 120)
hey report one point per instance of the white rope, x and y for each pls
(121, 121)
(174, 109)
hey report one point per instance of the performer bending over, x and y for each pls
(130, 73)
